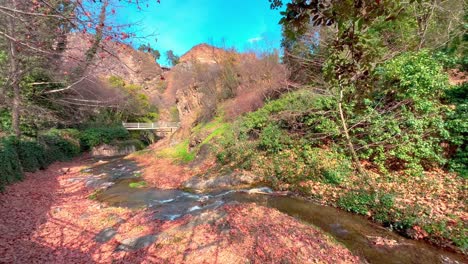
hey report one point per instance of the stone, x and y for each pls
(132, 244)
(105, 235)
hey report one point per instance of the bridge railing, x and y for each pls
(157, 125)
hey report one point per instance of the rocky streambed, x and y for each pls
(119, 185)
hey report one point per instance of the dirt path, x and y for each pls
(48, 218)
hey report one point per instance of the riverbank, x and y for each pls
(50, 218)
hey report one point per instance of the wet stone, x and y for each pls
(339, 230)
(133, 244)
(106, 185)
(75, 180)
(105, 235)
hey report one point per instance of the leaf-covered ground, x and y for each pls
(48, 218)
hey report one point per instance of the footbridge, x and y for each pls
(160, 127)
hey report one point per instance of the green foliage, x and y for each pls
(405, 121)
(357, 202)
(415, 75)
(10, 167)
(172, 59)
(303, 162)
(32, 156)
(273, 139)
(138, 144)
(5, 119)
(17, 156)
(95, 136)
(148, 49)
(302, 100)
(60, 145)
(267, 137)
(457, 234)
(364, 202)
(137, 106)
(457, 124)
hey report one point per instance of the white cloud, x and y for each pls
(256, 39)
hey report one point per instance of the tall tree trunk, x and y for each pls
(80, 71)
(91, 52)
(346, 133)
(15, 75)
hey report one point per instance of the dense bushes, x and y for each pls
(30, 155)
(95, 136)
(404, 120)
(403, 125)
(457, 125)
(10, 168)
(60, 145)
(284, 141)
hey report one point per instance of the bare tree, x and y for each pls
(35, 34)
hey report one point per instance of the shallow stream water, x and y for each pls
(371, 242)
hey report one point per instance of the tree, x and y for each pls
(172, 59)
(351, 59)
(34, 36)
(366, 38)
(29, 43)
(148, 49)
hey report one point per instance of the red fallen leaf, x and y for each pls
(419, 232)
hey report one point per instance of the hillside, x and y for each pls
(114, 59)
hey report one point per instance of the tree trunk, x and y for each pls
(91, 52)
(15, 75)
(346, 133)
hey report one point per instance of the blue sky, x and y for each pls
(180, 25)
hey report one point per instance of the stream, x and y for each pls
(370, 241)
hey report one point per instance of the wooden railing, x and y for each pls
(161, 126)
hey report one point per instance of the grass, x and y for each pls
(179, 152)
(221, 129)
(93, 196)
(140, 184)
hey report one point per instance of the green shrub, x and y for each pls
(58, 147)
(32, 156)
(326, 165)
(405, 119)
(140, 184)
(10, 166)
(174, 112)
(273, 139)
(457, 124)
(95, 136)
(29, 155)
(298, 101)
(357, 202)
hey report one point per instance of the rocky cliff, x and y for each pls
(113, 59)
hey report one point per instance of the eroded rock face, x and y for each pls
(204, 53)
(106, 150)
(230, 180)
(189, 101)
(194, 84)
(118, 59)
